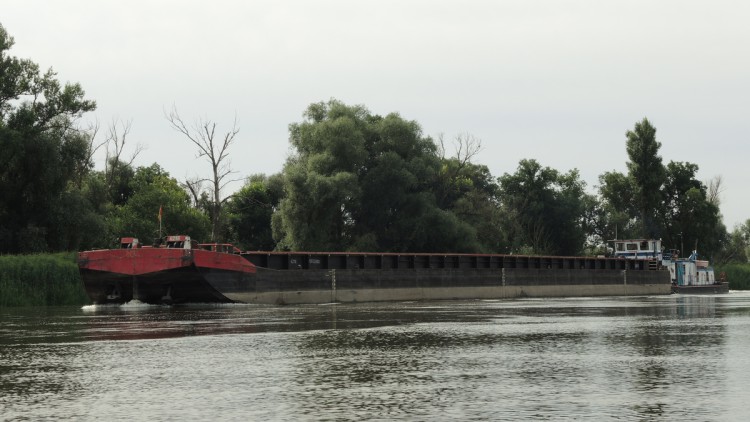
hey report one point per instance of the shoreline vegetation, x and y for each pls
(738, 275)
(41, 280)
(53, 280)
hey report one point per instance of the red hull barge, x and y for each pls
(179, 271)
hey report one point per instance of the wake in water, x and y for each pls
(133, 305)
(137, 305)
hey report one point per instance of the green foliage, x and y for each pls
(359, 181)
(43, 279)
(647, 173)
(41, 152)
(471, 193)
(656, 201)
(738, 275)
(153, 188)
(119, 181)
(689, 218)
(544, 209)
(617, 215)
(736, 247)
(249, 212)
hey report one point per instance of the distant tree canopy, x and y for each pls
(355, 181)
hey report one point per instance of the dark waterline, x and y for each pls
(666, 358)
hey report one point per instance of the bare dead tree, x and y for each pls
(195, 187)
(94, 145)
(116, 139)
(714, 190)
(215, 150)
(90, 134)
(466, 146)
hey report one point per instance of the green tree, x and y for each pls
(471, 192)
(360, 181)
(249, 212)
(544, 209)
(689, 217)
(657, 201)
(647, 172)
(154, 189)
(736, 248)
(617, 215)
(41, 149)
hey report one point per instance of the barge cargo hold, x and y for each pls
(183, 271)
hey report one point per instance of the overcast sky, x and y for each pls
(557, 81)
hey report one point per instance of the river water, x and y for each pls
(644, 358)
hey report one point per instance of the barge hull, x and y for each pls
(324, 286)
(709, 289)
(180, 285)
(171, 275)
(162, 275)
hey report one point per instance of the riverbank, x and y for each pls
(40, 280)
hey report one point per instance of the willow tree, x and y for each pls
(215, 149)
(360, 181)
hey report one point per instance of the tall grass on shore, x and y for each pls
(41, 279)
(738, 275)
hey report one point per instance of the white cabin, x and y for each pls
(638, 249)
(689, 272)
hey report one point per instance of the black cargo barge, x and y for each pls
(184, 271)
(318, 277)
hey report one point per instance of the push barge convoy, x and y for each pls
(687, 275)
(182, 270)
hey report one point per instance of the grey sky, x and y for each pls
(557, 81)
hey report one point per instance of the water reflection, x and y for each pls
(625, 358)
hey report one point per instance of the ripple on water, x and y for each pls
(661, 358)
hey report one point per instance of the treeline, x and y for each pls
(355, 181)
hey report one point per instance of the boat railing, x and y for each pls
(220, 247)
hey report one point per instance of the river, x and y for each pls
(624, 358)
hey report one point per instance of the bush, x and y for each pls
(738, 275)
(40, 279)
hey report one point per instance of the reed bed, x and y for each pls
(738, 275)
(40, 280)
